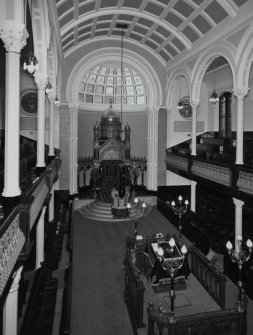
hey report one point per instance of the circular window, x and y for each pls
(186, 111)
(29, 102)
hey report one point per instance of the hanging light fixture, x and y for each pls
(56, 100)
(214, 97)
(30, 60)
(121, 26)
(180, 105)
(48, 88)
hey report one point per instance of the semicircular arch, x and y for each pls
(112, 55)
(224, 50)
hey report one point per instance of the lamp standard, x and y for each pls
(179, 209)
(136, 210)
(240, 256)
(172, 264)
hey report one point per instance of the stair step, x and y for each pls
(97, 215)
(98, 209)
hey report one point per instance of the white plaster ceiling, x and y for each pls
(163, 27)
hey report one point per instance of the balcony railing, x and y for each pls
(15, 229)
(225, 174)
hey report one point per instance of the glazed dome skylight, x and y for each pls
(103, 84)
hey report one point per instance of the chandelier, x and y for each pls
(214, 97)
(30, 60)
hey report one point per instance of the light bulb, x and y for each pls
(249, 243)
(229, 245)
(144, 205)
(186, 202)
(172, 242)
(180, 198)
(184, 249)
(160, 251)
(173, 203)
(128, 205)
(239, 237)
(136, 200)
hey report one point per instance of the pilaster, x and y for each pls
(40, 238)
(74, 107)
(51, 99)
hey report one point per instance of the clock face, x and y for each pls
(186, 111)
(29, 102)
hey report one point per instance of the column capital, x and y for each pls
(14, 36)
(193, 183)
(41, 80)
(238, 203)
(240, 92)
(74, 106)
(16, 278)
(194, 103)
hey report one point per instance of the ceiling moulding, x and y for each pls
(223, 31)
(236, 37)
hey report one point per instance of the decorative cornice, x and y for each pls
(14, 37)
(240, 92)
(41, 80)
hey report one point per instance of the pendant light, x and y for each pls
(30, 60)
(214, 97)
(180, 105)
(121, 26)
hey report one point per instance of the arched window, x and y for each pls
(103, 84)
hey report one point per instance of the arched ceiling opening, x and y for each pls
(163, 27)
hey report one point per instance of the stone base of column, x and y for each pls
(50, 158)
(9, 203)
(40, 170)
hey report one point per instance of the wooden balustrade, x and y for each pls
(134, 292)
(177, 161)
(222, 322)
(210, 276)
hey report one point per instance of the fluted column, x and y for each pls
(238, 221)
(240, 94)
(152, 142)
(193, 195)
(51, 128)
(73, 147)
(10, 310)
(41, 81)
(194, 104)
(14, 39)
(40, 238)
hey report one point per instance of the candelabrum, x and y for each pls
(172, 264)
(179, 209)
(240, 255)
(136, 210)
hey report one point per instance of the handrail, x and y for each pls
(224, 322)
(134, 292)
(211, 277)
(15, 229)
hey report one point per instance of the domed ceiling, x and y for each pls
(163, 27)
(103, 85)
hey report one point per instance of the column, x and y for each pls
(14, 39)
(73, 148)
(40, 238)
(152, 142)
(193, 195)
(240, 94)
(51, 206)
(10, 310)
(194, 104)
(238, 221)
(41, 81)
(51, 128)
(169, 126)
